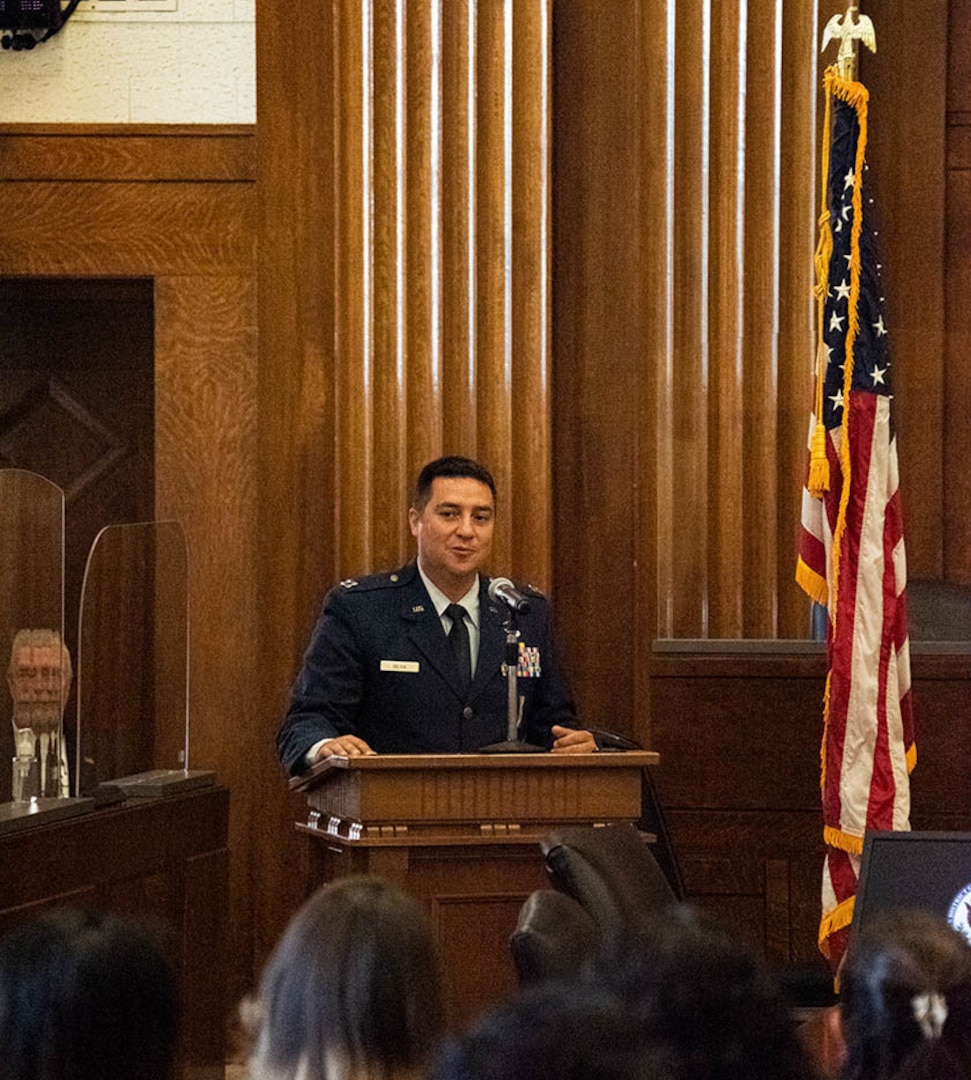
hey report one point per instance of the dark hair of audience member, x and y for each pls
(905, 994)
(352, 990)
(566, 1030)
(706, 998)
(86, 996)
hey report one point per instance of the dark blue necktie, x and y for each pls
(458, 638)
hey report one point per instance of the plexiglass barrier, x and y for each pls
(133, 655)
(33, 761)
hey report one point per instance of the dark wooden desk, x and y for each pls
(461, 833)
(165, 858)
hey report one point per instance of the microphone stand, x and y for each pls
(512, 744)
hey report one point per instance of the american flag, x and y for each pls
(852, 547)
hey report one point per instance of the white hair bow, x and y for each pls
(930, 1011)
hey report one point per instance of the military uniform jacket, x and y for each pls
(379, 666)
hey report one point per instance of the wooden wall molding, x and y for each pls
(127, 152)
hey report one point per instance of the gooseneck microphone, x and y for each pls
(502, 589)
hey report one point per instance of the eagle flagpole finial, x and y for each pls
(848, 32)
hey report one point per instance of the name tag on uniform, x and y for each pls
(411, 666)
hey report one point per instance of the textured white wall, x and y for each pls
(193, 66)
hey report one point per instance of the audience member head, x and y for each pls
(705, 998)
(567, 1030)
(906, 1000)
(86, 996)
(353, 989)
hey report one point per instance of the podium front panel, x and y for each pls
(461, 833)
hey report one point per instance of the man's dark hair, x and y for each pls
(450, 466)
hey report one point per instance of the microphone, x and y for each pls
(501, 588)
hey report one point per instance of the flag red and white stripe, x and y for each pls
(852, 556)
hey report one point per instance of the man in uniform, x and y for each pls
(412, 661)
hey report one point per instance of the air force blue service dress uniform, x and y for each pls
(380, 666)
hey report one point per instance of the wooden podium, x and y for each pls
(461, 833)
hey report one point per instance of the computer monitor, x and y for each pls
(925, 870)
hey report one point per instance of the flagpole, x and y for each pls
(849, 32)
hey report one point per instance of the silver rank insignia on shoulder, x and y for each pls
(348, 583)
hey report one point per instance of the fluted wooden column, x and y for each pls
(441, 186)
(404, 180)
(727, 376)
(685, 148)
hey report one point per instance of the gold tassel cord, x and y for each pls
(857, 96)
(818, 481)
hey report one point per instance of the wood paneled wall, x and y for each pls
(907, 152)
(685, 196)
(673, 414)
(738, 733)
(683, 230)
(685, 200)
(955, 536)
(741, 171)
(176, 205)
(404, 293)
(433, 166)
(571, 238)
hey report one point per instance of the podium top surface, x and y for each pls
(629, 759)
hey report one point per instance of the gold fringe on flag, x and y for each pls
(811, 583)
(844, 841)
(833, 921)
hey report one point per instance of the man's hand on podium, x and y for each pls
(344, 746)
(569, 741)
